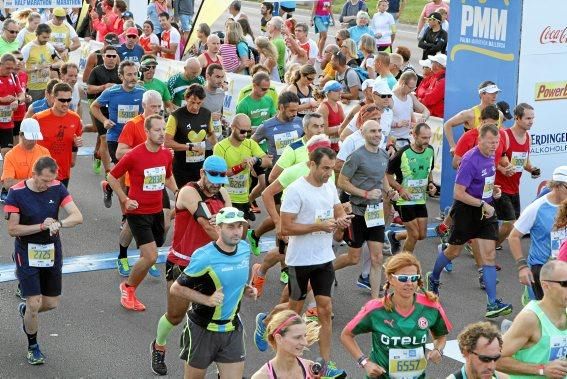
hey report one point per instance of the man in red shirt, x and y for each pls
(150, 168)
(11, 95)
(62, 130)
(434, 96)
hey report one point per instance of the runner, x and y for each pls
(62, 131)
(214, 102)
(63, 36)
(537, 219)
(536, 341)
(412, 167)
(38, 250)
(195, 207)
(332, 111)
(45, 103)
(258, 105)
(22, 78)
(148, 67)
(179, 82)
(473, 217)
(186, 131)
(215, 282)
(150, 171)
(400, 324)
(11, 95)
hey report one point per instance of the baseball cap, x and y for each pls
(425, 63)
(229, 215)
(367, 83)
(215, 169)
(491, 88)
(127, 14)
(59, 12)
(332, 86)
(439, 58)
(112, 39)
(435, 16)
(317, 142)
(504, 107)
(132, 31)
(560, 174)
(381, 86)
(31, 130)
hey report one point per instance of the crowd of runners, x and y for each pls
(335, 158)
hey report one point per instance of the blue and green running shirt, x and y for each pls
(211, 268)
(398, 341)
(412, 172)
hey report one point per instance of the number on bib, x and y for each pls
(406, 363)
(154, 179)
(41, 255)
(488, 187)
(374, 215)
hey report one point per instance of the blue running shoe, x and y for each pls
(123, 267)
(154, 271)
(431, 284)
(331, 371)
(498, 308)
(363, 282)
(35, 356)
(448, 267)
(260, 332)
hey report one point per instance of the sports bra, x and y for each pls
(302, 364)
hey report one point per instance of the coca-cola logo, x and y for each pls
(550, 35)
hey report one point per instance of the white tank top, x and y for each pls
(403, 110)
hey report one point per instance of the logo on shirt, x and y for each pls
(389, 323)
(51, 202)
(422, 323)
(484, 172)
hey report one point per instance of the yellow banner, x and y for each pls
(208, 13)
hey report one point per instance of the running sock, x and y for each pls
(123, 252)
(489, 276)
(163, 329)
(440, 263)
(32, 339)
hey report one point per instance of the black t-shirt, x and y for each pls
(101, 75)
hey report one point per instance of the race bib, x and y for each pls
(374, 215)
(557, 347)
(237, 184)
(518, 160)
(154, 179)
(283, 139)
(126, 113)
(406, 363)
(322, 215)
(193, 157)
(5, 113)
(39, 76)
(41, 255)
(557, 238)
(304, 100)
(416, 189)
(488, 187)
(58, 39)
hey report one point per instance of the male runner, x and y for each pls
(195, 207)
(32, 209)
(150, 169)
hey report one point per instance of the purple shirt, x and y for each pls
(476, 173)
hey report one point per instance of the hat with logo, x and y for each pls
(504, 107)
(381, 87)
(560, 174)
(127, 14)
(215, 168)
(132, 31)
(491, 88)
(367, 83)
(59, 12)
(438, 58)
(332, 86)
(435, 16)
(112, 39)
(229, 215)
(31, 130)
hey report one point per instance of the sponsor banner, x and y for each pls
(544, 44)
(43, 3)
(484, 44)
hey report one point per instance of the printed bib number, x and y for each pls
(488, 187)
(374, 215)
(58, 39)
(322, 215)
(302, 101)
(406, 363)
(126, 113)
(41, 255)
(5, 113)
(154, 179)
(193, 157)
(518, 160)
(557, 238)
(283, 139)
(416, 189)
(557, 347)
(39, 76)
(237, 184)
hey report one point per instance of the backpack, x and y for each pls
(252, 52)
(362, 74)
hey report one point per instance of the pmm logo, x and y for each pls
(487, 23)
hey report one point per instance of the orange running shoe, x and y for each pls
(128, 298)
(257, 280)
(311, 314)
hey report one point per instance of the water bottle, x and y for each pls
(317, 366)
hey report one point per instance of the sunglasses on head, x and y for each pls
(65, 100)
(407, 278)
(562, 283)
(222, 174)
(487, 358)
(231, 214)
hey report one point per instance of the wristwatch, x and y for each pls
(481, 204)
(362, 360)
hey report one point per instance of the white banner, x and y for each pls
(43, 3)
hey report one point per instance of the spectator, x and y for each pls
(561, 224)
(321, 17)
(383, 25)
(235, 10)
(170, 38)
(8, 41)
(211, 55)
(346, 77)
(183, 11)
(429, 8)
(203, 32)
(149, 40)
(268, 57)
(349, 50)
(427, 78)
(342, 34)
(435, 39)
(350, 11)
(274, 29)
(434, 97)
(111, 20)
(154, 9)
(382, 68)
(247, 31)
(131, 49)
(444, 23)
(396, 62)
(286, 9)
(328, 72)
(395, 8)
(367, 47)
(303, 49)
(266, 11)
(361, 27)
(406, 65)
(234, 51)
(27, 34)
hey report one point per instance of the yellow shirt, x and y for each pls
(61, 35)
(477, 121)
(328, 71)
(38, 56)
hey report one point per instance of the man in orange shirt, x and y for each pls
(61, 129)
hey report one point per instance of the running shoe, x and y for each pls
(35, 356)
(123, 266)
(254, 245)
(442, 232)
(386, 248)
(257, 280)
(431, 284)
(154, 271)
(106, 194)
(284, 276)
(97, 163)
(158, 360)
(22, 309)
(395, 245)
(448, 267)
(499, 247)
(525, 296)
(260, 332)
(498, 308)
(254, 208)
(128, 298)
(19, 293)
(468, 248)
(312, 314)
(363, 282)
(331, 371)
(3, 195)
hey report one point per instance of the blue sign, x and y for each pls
(484, 44)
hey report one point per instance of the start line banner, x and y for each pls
(43, 3)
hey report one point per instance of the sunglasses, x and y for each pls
(383, 96)
(11, 31)
(407, 278)
(111, 56)
(150, 67)
(64, 100)
(221, 174)
(244, 131)
(487, 358)
(232, 214)
(562, 283)
(264, 89)
(132, 36)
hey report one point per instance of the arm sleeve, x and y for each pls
(464, 174)
(435, 95)
(8, 170)
(464, 144)
(126, 136)
(362, 322)
(352, 79)
(121, 167)
(287, 157)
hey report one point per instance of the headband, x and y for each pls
(318, 145)
(283, 324)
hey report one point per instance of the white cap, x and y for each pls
(367, 83)
(491, 88)
(560, 174)
(31, 130)
(381, 86)
(439, 58)
(425, 63)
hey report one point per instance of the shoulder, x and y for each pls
(43, 115)
(19, 186)
(296, 145)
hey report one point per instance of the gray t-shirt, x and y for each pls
(214, 102)
(278, 134)
(348, 80)
(366, 171)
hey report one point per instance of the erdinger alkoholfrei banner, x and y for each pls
(484, 44)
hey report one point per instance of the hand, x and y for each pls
(487, 210)
(525, 276)
(556, 369)
(93, 14)
(403, 123)
(431, 189)
(434, 356)
(452, 151)
(9, 99)
(328, 226)
(54, 228)
(497, 192)
(131, 204)
(344, 222)
(313, 103)
(404, 194)
(509, 170)
(216, 116)
(536, 172)
(251, 292)
(108, 123)
(47, 222)
(78, 140)
(373, 370)
(391, 152)
(374, 194)
(378, 35)
(251, 161)
(216, 298)
(197, 149)
(347, 207)
(14, 105)
(213, 220)
(394, 195)
(29, 99)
